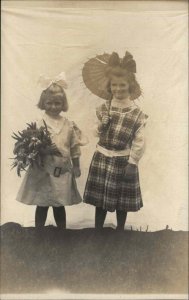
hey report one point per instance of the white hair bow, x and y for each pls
(60, 79)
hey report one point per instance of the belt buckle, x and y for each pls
(57, 172)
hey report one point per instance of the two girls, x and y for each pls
(113, 180)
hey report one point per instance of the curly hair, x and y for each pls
(47, 94)
(134, 87)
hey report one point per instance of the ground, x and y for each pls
(89, 261)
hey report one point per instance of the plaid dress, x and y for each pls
(107, 186)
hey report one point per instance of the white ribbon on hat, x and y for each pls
(60, 79)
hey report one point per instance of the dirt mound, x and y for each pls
(90, 261)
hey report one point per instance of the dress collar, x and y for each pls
(124, 106)
(125, 103)
(55, 124)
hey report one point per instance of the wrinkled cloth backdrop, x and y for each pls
(49, 40)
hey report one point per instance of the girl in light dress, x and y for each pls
(54, 184)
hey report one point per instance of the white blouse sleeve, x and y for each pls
(138, 145)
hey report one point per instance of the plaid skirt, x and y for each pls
(108, 187)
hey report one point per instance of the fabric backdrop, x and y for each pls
(48, 40)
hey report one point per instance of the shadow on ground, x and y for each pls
(87, 261)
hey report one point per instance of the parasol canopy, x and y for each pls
(95, 72)
(94, 75)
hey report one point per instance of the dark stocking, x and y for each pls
(121, 219)
(60, 216)
(41, 216)
(100, 216)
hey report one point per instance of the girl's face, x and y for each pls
(119, 87)
(53, 106)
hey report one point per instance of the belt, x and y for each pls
(62, 170)
(112, 153)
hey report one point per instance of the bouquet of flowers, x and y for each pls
(32, 144)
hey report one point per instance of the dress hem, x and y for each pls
(126, 210)
(53, 205)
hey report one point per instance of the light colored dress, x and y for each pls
(40, 186)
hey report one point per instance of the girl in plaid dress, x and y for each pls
(113, 180)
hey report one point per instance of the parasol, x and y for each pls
(94, 75)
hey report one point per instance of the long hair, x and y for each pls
(47, 94)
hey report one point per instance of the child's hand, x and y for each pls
(105, 120)
(77, 172)
(130, 172)
(104, 123)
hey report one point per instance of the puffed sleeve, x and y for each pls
(77, 139)
(138, 143)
